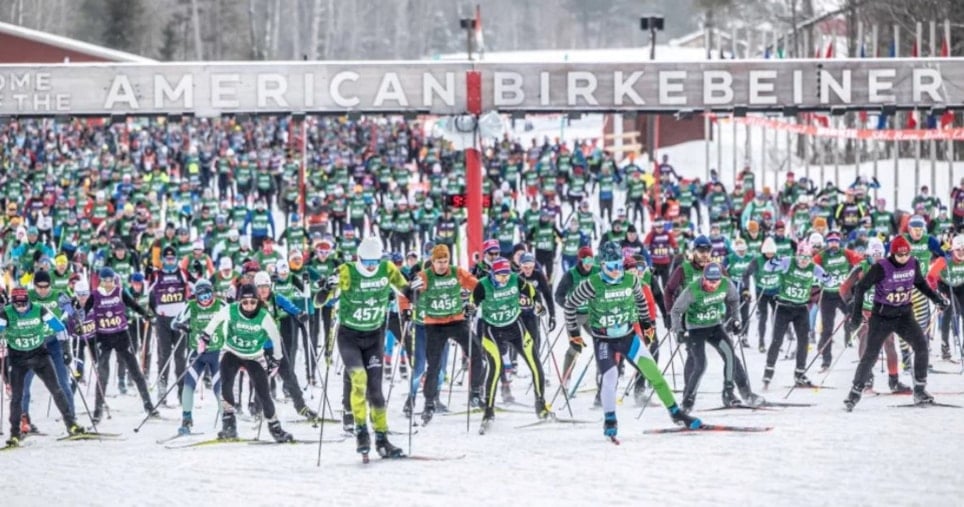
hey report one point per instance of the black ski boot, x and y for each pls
(869, 384)
(407, 409)
(384, 448)
(683, 419)
(896, 386)
(98, 416)
(440, 408)
(922, 397)
(348, 422)
(801, 380)
(279, 435)
(688, 403)
(427, 412)
(853, 398)
(363, 441)
(729, 397)
(767, 377)
(229, 426)
(151, 411)
(309, 414)
(542, 412)
(475, 401)
(489, 414)
(750, 398)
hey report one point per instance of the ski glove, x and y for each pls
(332, 282)
(649, 330)
(576, 343)
(745, 295)
(416, 284)
(734, 327)
(943, 303)
(302, 317)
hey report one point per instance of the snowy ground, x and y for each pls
(818, 455)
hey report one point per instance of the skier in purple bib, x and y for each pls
(892, 280)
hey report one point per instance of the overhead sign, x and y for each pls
(207, 89)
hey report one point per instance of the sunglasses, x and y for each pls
(44, 286)
(248, 301)
(20, 303)
(904, 254)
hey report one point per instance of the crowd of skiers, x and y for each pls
(216, 246)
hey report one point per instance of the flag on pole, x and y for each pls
(479, 40)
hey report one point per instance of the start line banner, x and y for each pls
(216, 88)
(950, 134)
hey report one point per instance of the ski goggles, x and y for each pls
(45, 286)
(248, 301)
(370, 263)
(613, 266)
(205, 297)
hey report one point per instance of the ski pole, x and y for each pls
(572, 392)
(3, 387)
(167, 364)
(468, 406)
(816, 356)
(565, 396)
(396, 358)
(82, 399)
(169, 389)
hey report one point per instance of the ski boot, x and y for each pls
(186, 423)
(229, 427)
(427, 412)
(151, 411)
(853, 398)
(384, 448)
(683, 419)
(945, 352)
(348, 423)
(309, 414)
(542, 412)
(507, 393)
(729, 398)
(98, 416)
(439, 407)
(767, 377)
(688, 402)
(922, 397)
(122, 387)
(27, 427)
(762, 348)
(824, 368)
(475, 401)
(278, 434)
(896, 386)
(750, 398)
(363, 441)
(74, 429)
(489, 414)
(409, 404)
(801, 380)
(13, 441)
(610, 426)
(869, 385)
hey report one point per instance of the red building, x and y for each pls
(23, 45)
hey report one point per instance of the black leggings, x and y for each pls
(42, 364)
(166, 341)
(879, 328)
(830, 302)
(119, 342)
(361, 352)
(765, 303)
(786, 315)
(695, 365)
(436, 335)
(230, 364)
(515, 335)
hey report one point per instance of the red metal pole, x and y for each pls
(657, 204)
(473, 169)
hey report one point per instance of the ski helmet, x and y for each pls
(370, 249)
(816, 240)
(610, 252)
(875, 248)
(262, 278)
(958, 242)
(769, 246)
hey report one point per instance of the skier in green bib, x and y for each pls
(618, 316)
(247, 328)
(799, 279)
(703, 306)
(497, 296)
(363, 288)
(203, 355)
(26, 327)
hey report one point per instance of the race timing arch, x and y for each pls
(209, 89)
